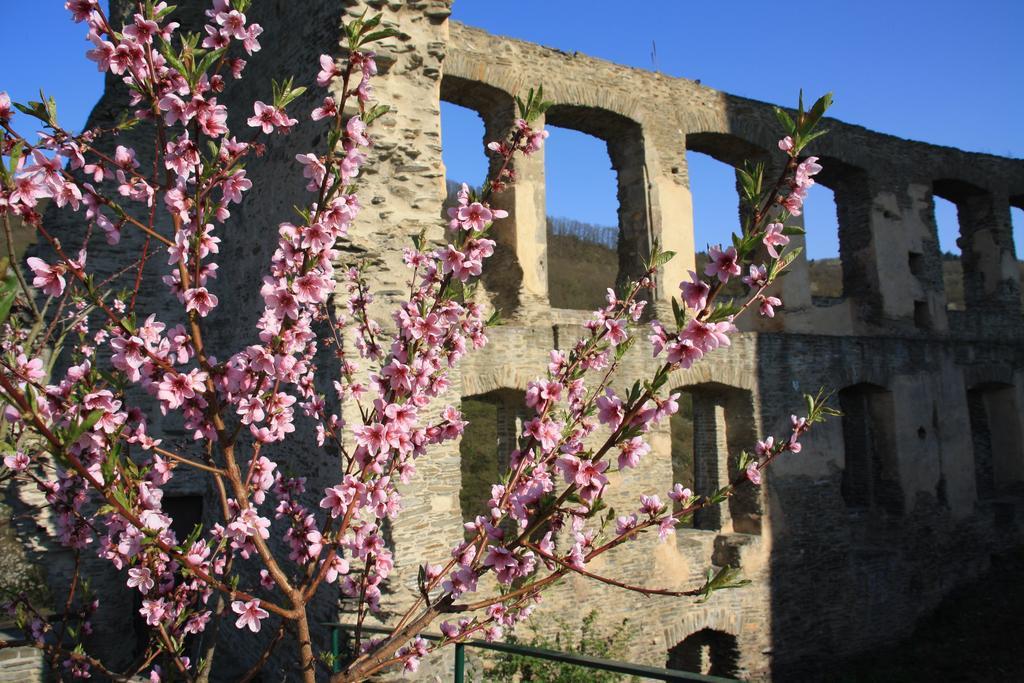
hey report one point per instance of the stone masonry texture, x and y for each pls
(839, 561)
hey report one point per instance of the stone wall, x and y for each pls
(830, 574)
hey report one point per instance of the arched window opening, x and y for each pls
(715, 202)
(681, 430)
(821, 222)
(711, 163)
(707, 652)
(984, 238)
(996, 438)
(713, 426)
(870, 473)
(582, 219)
(1017, 222)
(494, 420)
(462, 150)
(948, 230)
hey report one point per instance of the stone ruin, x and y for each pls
(848, 543)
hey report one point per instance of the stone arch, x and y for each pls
(720, 428)
(707, 652)
(870, 478)
(485, 380)
(731, 374)
(728, 148)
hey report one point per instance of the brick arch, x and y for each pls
(732, 375)
(496, 377)
(728, 148)
(981, 375)
(847, 377)
(483, 98)
(731, 621)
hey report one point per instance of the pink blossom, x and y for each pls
(807, 168)
(768, 304)
(141, 578)
(234, 186)
(754, 474)
(265, 116)
(329, 109)
(176, 387)
(609, 409)
(154, 610)
(234, 23)
(102, 52)
(328, 71)
(356, 129)
(757, 278)
(617, 333)
(475, 216)
(81, 10)
(680, 494)
(312, 168)
(773, 237)
(764, 448)
(786, 144)
(17, 461)
(200, 300)
(722, 263)
(706, 336)
(251, 614)
(695, 292)
(250, 42)
(49, 279)
(28, 189)
(631, 451)
(5, 106)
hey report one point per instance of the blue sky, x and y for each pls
(943, 71)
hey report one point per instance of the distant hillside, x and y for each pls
(583, 263)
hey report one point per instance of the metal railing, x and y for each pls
(650, 672)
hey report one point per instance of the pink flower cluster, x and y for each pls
(109, 476)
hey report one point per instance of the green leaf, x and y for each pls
(662, 258)
(785, 120)
(678, 313)
(208, 61)
(7, 296)
(76, 431)
(379, 35)
(789, 256)
(818, 109)
(793, 230)
(34, 109)
(375, 113)
(121, 499)
(624, 347)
